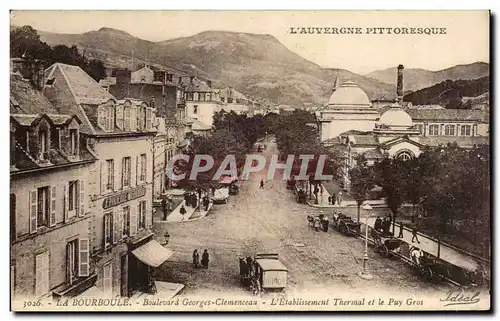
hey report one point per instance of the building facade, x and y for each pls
(50, 216)
(202, 101)
(122, 133)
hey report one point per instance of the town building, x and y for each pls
(351, 125)
(50, 216)
(202, 101)
(120, 184)
(236, 101)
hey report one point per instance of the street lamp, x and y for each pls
(365, 274)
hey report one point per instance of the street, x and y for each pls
(269, 220)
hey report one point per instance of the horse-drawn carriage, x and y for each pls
(301, 197)
(263, 273)
(346, 225)
(385, 243)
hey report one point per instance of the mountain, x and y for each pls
(255, 64)
(415, 79)
(449, 93)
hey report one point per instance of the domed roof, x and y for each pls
(396, 116)
(349, 94)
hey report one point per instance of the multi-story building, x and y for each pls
(120, 184)
(202, 101)
(235, 101)
(50, 216)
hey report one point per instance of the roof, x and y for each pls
(364, 139)
(197, 85)
(426, 107)
(198, 125)
(448, 114)
(462, 141)
(349, 94)
(84, 88)
(396, 116)
(25, 99)
(24, 120)
(271, 265)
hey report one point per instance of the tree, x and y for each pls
(362, 182)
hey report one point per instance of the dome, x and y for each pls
(349, 94)
(396, 116)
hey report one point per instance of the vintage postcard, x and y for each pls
(250, 161)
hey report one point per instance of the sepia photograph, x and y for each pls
(260, 161)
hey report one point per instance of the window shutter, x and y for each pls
(122, 174)
(133, 172)
(133, 221)
(116, 226)
(101, 118)
(81, 209)
(83, 248)
(119, 222)
(119, 116)
(52, 218)
(133, 119)
(144, 164)
(148, 118)
(33, 211)
(137, 170)
(66, 202)
(148, 215)
(42, 274)
(68, 262)
(126, 119)
(104, 176)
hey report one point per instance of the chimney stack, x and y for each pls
(399, 89)
(191, 79)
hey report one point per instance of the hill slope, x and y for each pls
(255, 64)
(450, 92)
(415, 79)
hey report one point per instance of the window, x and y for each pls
(43, 194)
(143, 164)
(196, 96)
(77, 259)
(195, 109)
(465, 130)
(170, 77)
(42, 273)
(72, 260)
(50, 81)
(126, 119)
(110, 118)
(108, 229)
(449, 130)
(73, 196)
(209, 96)
(202, 96)
(433, 130)
(73, 136)
(126, 172)
(229, 100)
(43, 144)
(405, 156)
(126, 221)
(141, 118)
(142, 214)
(110, 166)
(107, 277)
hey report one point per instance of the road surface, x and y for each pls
(269, 220)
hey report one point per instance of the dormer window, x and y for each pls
(106, 118)
(50, 81)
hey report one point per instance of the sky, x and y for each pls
(466, 39)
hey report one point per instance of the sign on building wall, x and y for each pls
(123, 197)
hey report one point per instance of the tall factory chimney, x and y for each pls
(399, 89)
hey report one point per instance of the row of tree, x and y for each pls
(25, 43)
(449, 183)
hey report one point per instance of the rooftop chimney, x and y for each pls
(191, 79)
(399, 89)
(336, 84)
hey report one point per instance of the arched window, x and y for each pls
(405, 155)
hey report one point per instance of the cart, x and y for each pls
(345, 225)
(263, 273)
(385, 244)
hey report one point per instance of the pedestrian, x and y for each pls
(206, 202)
(334, 197)
(213, 190)
(339, 198)
(414, 231)
(199, 193)
(378, 224)
(164, 207)
(182, 211)
(321, 189)
(261, 183)
(329, 200)
(196, 258)
(400, 230)
(316, 223)
(326, 223)
(194, 201)
(205, 259)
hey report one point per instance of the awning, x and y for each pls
(183, 143)
(152, 253)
